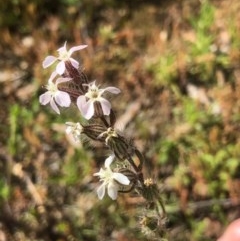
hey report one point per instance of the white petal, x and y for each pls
(100, 173)
(112, 90)
(63, 99)
(106, 106)
(89, 110)
(109, 161)
(45, 98)
(93, 83)
(96, 174)
(63, 48)
(101, 191)
(48, 61)
(81, 102)
(74, 63)
(112, 191)
(69, 130)
(70, 124)
(60, 67)
(54, 106)
(86, 108)
(119, 177)
(53, 75)
(76, 48)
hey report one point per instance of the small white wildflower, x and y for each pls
(85, 102)
(110, 179)
(74, 129)
(64, 55)
(54, 95)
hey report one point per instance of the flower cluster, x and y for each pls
(91, 104)
(57, 93)
(110, 180)
(122, 171)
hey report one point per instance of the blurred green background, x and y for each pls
(178, 66)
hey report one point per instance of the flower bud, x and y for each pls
(122, 148)
(78, 76)
(94, 131)
(149, 190)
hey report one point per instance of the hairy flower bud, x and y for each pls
(77, 85)
(150, 190)
(121, 147)
(94, 131)
(77, 75)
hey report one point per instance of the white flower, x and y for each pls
(85, 102)
(111, 180)
(53, 95)
(64, 55)
(74, 129)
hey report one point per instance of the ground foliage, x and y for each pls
(177, 64)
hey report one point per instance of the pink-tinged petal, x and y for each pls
(112, 191)
(63, 48)
(54, 106)
(81, 101)
(86, 108)
(106, 106)
(45, 98)
(112, 90)
(74, 63)
(53, 75)
(49, 60)
(119, 177)
(89, 110)
(76, 48)
(109, 161)
(62, 80)
(60, 67)
(63, 99)
(101, 191)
